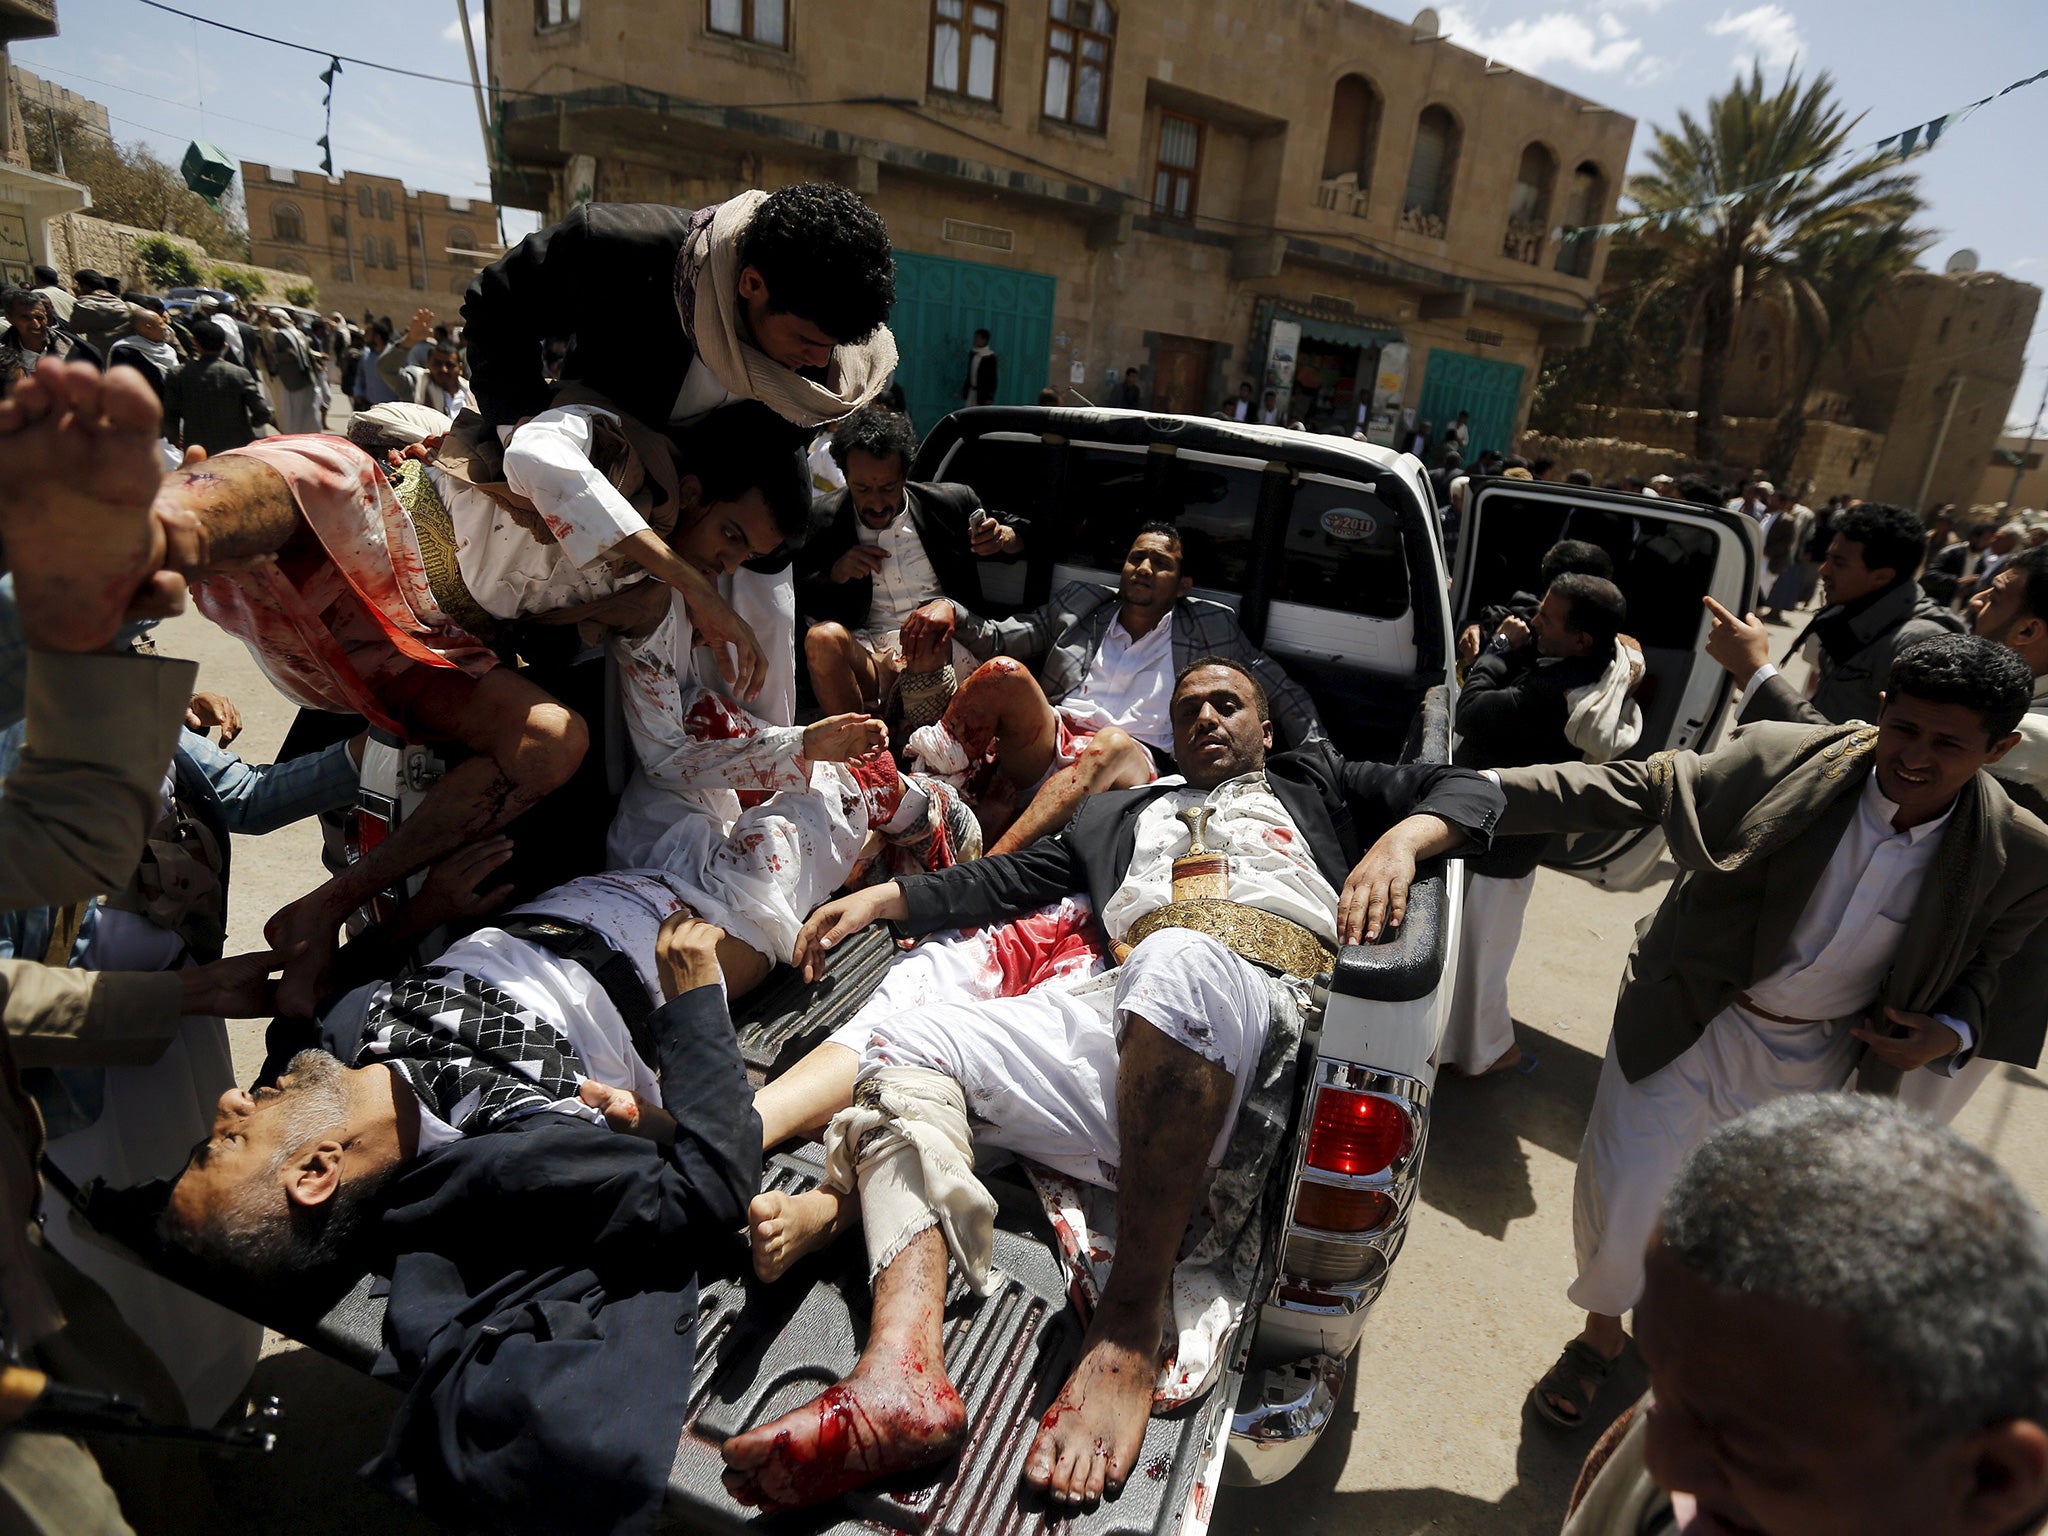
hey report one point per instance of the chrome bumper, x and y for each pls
(1281, 1413)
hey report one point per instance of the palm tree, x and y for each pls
(1723, 255)
(1831, 284)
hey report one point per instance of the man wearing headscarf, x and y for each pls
(777, 297)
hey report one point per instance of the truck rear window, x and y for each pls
(1342, 550)
(1339, 548)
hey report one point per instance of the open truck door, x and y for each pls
(1668, 556)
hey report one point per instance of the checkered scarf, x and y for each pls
(475, 1057)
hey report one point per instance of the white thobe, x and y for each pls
(1480, 1028)
(508, 570)
(1830, 969)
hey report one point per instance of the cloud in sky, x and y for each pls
(452, 33)
(1598, 42)
(1765, 34)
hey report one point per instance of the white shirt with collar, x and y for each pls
(1271, 865)
(1834, 961)
(906, 580)
(1129, 684)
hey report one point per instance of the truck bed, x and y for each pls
(762, 1350)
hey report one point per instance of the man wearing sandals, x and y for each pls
(1843, 890)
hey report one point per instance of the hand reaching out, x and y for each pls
(837, 738)
(452, 887)
(208, 710)
(420, 329)
(840, 919)
(927, 637)
(719, 625)
(1740, 645)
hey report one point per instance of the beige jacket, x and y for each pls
(1751, 827)
(73, 817)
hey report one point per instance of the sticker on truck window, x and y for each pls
(1349, 525)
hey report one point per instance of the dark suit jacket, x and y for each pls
(982, 374)
(1341, 808)
(605, 280)
(543, 1300)
(1511, 711)
(1773, 803)
(939, 512)
(214, 404)
(1849, 682)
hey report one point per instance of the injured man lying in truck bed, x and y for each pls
(453, 1131)
(1165, 1081)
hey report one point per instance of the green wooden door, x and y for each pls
(1486, 388)
(940, 304)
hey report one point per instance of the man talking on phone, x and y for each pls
(890, 567)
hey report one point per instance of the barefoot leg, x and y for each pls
(528, 744)
(1002, 704)
(1170, 1105)
(785, 1228)
(896, 1411)
(806, 1097)
(1113, 760)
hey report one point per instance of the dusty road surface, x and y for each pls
(1432, 1435)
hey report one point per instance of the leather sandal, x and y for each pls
(1579, 1363)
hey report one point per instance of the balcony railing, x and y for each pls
(1420, 221)
(1524, 241)
(1343, 194)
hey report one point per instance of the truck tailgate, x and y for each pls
(762, 1350)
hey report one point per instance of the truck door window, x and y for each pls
(1342, 550)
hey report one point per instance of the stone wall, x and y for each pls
(79, 240)
(1835, 460)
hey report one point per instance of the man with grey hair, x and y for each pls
(1835, 1352)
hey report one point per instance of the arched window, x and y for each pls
(1354, 132)
(1582, 205)
(383, 202)
(1529, 206)
(363, 199)
(287, 223)
(1078, 43)
(369, 250)
(461, 238)
(1426, 205)
(390, 254)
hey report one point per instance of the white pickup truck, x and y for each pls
(1331, 552)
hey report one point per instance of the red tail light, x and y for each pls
(1357, 1133)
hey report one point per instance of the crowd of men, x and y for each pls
(517, 1090)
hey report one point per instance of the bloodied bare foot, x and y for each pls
(1089, 1439)
(904, 1414)
(784, 1228)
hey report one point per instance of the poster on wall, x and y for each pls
(1283, 350)
(15, 256)
(1392, 382)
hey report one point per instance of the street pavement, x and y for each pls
(1431, 1436)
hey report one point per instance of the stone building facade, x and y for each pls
(368, 242)
(1301, 194)
(29, 199)
(1932, 370)
(35, 94)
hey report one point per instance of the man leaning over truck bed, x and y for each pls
(1198, 1021)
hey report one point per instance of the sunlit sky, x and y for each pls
(166, 80)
